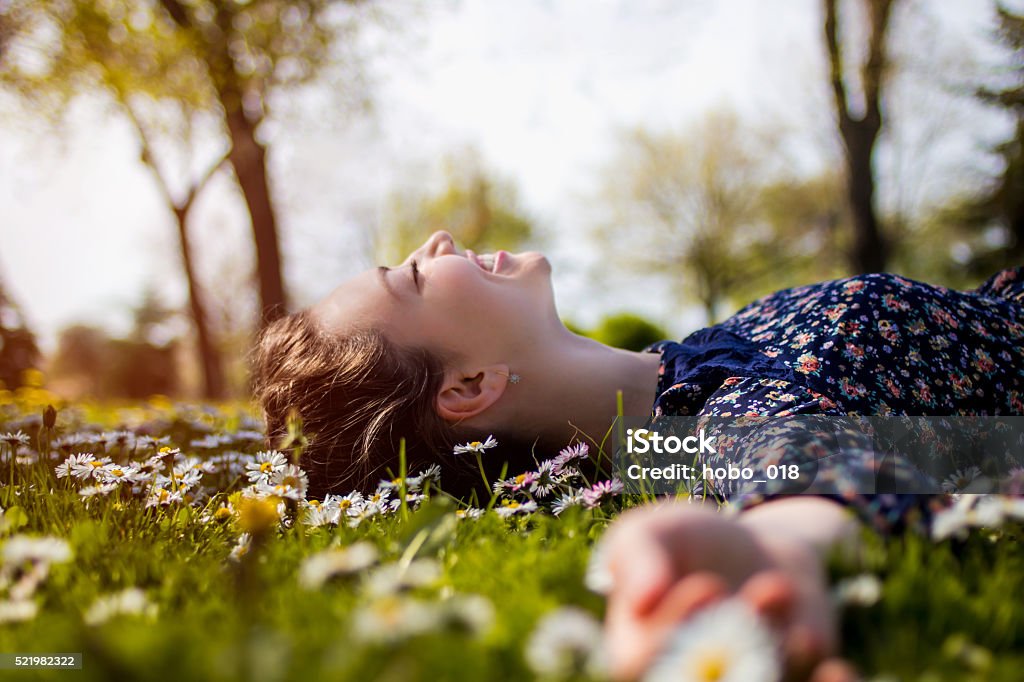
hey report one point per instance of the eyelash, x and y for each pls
(416, 274)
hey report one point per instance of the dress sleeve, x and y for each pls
(770, 426)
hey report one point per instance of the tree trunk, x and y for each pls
(209, 355)
(860, 132)
(248, 158)
(870, 251)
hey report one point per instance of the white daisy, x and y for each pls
(397, 577)
(212, 441)
(393, 618)
(364, 512)
(960, 479)
(119, 473)
(570, 454)
(860, 590)
(130, 602)
(75, 465)
(566, 643)
(469, 513)
(101, 489)
(86, 465)
(203, 466)
(23, 548)
(573, 498)
(16, 438)
(467, 613)
(157, 495)
(513, 507)
(290, 481)
(241, 547)
(345, 503)
(265, 465)
(16, 611)
(432, 475)
(726, 642)
(321, 567)
(475, 446)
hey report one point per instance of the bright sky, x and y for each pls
(539, 87)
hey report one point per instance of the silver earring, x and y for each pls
(513, 378)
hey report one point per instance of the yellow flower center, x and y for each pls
(222, 514)
(117, 472)
(475, 444)
(95, 465)
(265, 467)
(345, 504)
(712, 666)
(520, 478)
(314, 503)
(257, 515)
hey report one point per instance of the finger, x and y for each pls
(834, 670)
(640, 567)
(689, 595)
(771, 594)
(633, 641)
(803, 649)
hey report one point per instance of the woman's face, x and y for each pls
(486, 308)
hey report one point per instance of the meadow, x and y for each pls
(163, 541)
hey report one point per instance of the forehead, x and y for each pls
(359, 302)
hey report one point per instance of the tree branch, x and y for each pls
(835, 60)
(879, 12)
(148, 157)
(198, 186)
(178, 12)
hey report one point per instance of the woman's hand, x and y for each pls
(668, 561)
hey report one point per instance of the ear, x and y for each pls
(465, 394)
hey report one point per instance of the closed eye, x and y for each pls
(416, 275)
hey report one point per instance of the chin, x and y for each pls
(537, 260)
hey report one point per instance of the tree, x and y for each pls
(690, 206)
(984, 230)
(227, 59)
(481, 211)
(859, 130)
(18, 350)
(1003, 204)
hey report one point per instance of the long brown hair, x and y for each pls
(357, 395)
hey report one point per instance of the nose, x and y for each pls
(440, 243)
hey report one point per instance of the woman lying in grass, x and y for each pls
(452, 346)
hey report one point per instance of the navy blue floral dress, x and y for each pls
(874, 344)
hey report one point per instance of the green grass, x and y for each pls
(948, 611)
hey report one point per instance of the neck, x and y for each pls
(573, 388)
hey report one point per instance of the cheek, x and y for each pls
(467, 308)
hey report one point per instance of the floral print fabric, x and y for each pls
(877, 344)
